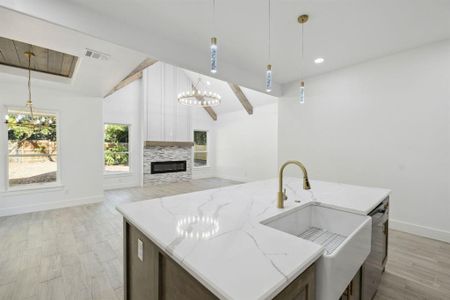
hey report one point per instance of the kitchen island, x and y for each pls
(218, 238)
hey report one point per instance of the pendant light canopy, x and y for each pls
(213, 45)
(302, 20)
(269, 66)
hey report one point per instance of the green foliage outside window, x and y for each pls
(37, 133)
(200, 148)
(32, 148)
(116, 145)
(22, 127)
(200, 137)
(116, 133)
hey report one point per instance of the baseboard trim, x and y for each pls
(202, 172)
(10, 211)
(234, 178)
(432, 233)
(117, 186)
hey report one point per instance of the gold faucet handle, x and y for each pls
(285, 197)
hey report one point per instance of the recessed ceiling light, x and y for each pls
(319, 60)
(208, 82)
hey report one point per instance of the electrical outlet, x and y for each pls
(140, 249)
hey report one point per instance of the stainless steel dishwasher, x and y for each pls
(373, 267)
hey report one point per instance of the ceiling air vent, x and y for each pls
(96, 54)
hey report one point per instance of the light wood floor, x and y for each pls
(417, 268)
(76, 253)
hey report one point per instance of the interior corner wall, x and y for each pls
(124, 107)
(246, 145)
(80, 152)
(383, 123)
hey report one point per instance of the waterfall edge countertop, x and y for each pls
(217, 236)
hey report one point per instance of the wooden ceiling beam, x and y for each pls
(211, 112)
(208, 109)
(134, 75)
(241, 97)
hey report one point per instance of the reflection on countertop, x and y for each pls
(197, 227)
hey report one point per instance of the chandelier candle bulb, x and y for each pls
(319, 60)
(302, 92)
(213, 55)
(269, 78)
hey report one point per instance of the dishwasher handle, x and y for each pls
(381, 209)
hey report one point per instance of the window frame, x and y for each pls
(34, 186)
(118, 173)
(207, 149)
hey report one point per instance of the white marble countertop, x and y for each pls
(228, 250)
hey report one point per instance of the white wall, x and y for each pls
(382, 123)
(80, 137)
(125, 107)
(246, 145)
(164, 118)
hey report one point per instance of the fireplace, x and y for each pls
(158, 167)
(166, 162)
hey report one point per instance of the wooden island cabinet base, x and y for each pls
(149, 274)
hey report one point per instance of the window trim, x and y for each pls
(34, 186)
(117, 173)
(207, 150)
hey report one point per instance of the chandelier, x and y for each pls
(199, 98)
(29, 103)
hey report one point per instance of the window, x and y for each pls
(200, 148)
(116, 149)
(32, 148)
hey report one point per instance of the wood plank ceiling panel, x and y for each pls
(55, 60)
(21, 48)
(9, 52)
(66, 64)
(45, 60)
(40, 59)
(2, 58)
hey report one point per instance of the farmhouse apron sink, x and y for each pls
(345, 237)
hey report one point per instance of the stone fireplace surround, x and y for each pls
(157, 151)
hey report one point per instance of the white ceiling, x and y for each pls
(344, 32)
(92, 77)
(230, 102)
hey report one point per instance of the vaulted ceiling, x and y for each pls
(344, 32)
